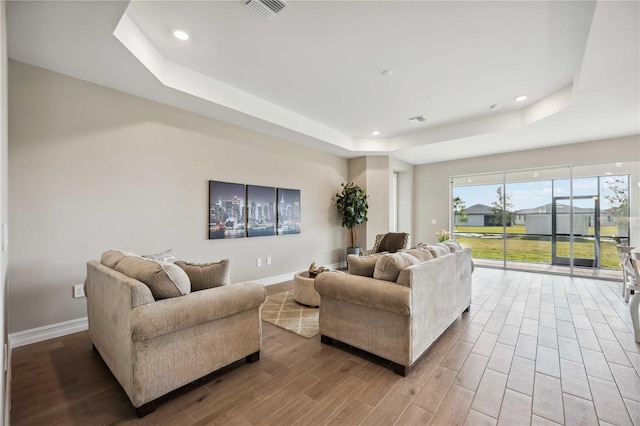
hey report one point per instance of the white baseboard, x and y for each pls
(276, 279)
(47, 332)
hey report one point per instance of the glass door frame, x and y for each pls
(572, 260)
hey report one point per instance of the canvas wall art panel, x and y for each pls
(288, 211)
(227, 210)
(261, 210)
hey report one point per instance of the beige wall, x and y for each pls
(378, 183)
(92, 169)
(358, 175)
(405, 195)
(431, 183)
(4, 213)
(374, 175)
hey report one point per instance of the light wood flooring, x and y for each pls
(535, 349)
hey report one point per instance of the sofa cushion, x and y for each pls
(388, 267)
(164, 279)
(111, 258)
(206, 275)
(363, 265)
(421, 254)
(437, 249)
(453, 245)
(165, 256)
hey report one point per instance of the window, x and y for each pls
(557, 219)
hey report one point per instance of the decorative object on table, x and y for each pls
(314, 269)
(353, 206)
(288, 211)
(282, 310)
(261, 211)
(226, 210)
(442, 235)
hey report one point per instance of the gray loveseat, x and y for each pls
(155, 346)
(421, 293)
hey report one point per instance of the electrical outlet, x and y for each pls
(259, 262)
(433, 221)
(78, 291)
(268, 261)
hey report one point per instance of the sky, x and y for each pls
(527, 195)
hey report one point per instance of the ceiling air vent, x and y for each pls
(266, 9)
(417, 120)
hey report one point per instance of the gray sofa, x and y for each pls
(155, 346)
(396, 318)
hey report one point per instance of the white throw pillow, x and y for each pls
(165, 256)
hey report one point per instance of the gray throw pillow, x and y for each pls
(206, 275)
(363, 265)
(164, 279)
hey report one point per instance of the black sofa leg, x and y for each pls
(468, 309)
(253, 357)
(401, 370)
(145, 409)
(326, 340)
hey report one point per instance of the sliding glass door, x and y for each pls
(561, 220)
(478, 216)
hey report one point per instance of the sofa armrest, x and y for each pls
(365, 291)
(168, 315)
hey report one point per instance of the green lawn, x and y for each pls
(519, 229)
(526, 249)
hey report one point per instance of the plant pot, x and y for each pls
(353, 250)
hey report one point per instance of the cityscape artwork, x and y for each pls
(226, 210)
(261, 210)
(288, 211)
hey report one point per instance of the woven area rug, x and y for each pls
(280, 309)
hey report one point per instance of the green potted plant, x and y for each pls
(352, 205)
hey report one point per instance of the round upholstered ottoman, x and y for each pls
(303, 290)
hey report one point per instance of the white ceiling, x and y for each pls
(312, 74)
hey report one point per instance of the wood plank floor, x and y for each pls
(535, 349)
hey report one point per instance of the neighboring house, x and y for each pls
(538, 220)
(480, 215)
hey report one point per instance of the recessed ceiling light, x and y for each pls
(387, 72)
(181, 35)
(494, 107)
(535, 175)
(608, 173)
(618, 164)
(520, 98)
(469, 180)
(375, 133)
